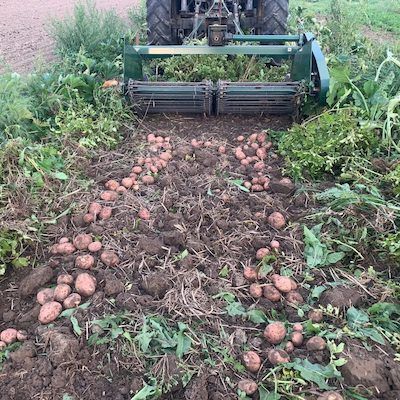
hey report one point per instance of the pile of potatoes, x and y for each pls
(67, 294)
(10, 336)
(251, 153)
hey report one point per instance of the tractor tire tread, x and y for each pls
(159, 29)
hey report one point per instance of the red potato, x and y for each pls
(239, 154)
(221, 149)
(254, 146)
(165, 156)
(256, 290)
(272, 293)
(257, 188)
(261, 253)
(88, 218)
(44, 296)
(163, 164)
(9, 336)
(250, 274)
(66, 249)
(159, 139)
(266, 185)
(247, 184)
(109, 258)
(278, 356)
(298, 327)
(148, 180)
(275, 332)
(289, 347)
(82, 241)
(144, 214)
(277, 220)
(147, 160)
(316, 343)
(49, 312)
(61, 292)
(137, 169)
(268, 145)
(248, 386)
(66, 279)
(121, 189)
(282, 283)
(72, 301)
(252, 361)
(133, 176)
(135, 188)
(95, 247)
(111, 184)
(85, 284)
(253, 137)
(154, 169)
(261, 153)
(255, 181)
(294, 298)
(244, 162)
(22, 335)
(109, 195)
(297, 339)
(261, 137)
(63, 240)
(240, 138)
(95, 208)
(84, 262)
(127, 182)
(330, 396)
(275, 244)
(207, 144)
(151, 137)
(140, 162)
(315, 316)
(105, 213)
(259, 166)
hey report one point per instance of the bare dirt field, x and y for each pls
(24, 40)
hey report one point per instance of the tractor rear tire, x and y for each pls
(274, 17)
(159, 22)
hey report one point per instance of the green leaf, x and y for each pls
(356, 318)
(75, 326)
(314, 251)
(184, 344)
(235, 309)
(333, 258)
(317, 291)
(61, 176)
(146, 393)
(224, 272)
(257, 316)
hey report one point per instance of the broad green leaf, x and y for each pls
(356, 317)
(235, 309)
(257, 316)
(75, 326)
(184, 344)
(146, 393)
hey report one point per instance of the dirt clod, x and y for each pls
(36, 279)
(156, 285)
(341, 296)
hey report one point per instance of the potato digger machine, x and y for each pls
(221, 24)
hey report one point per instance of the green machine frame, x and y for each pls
(309, 76)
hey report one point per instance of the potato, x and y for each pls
(297, 339)
(127, 182)
(22, 335)
(275, 332)
(66, 249)
(282, 283)
(257, 188)
(240, 138)
(88, 218)
(221, 149)
(95, 246)
(151, 138)
(294, 298)
(261, 253)
(105, 213)
(3, 345)
(148, 180)
(266, 185)
(66, 279)
(254, 181)
(72, 301)
(272, 293)
(315, 315)
(256, 290)
(253, 137)
(259, 166)
(121, 189)
(63, 240)
(298, 327)
(277, 356)
(252, 361)
(8, 336)
(82, 241)
(137, 169)
(275, 244)
(165, 156)
(85, 284)
(44, 296)
(95, 208)
(84, 262)
(277, 220)
(61, 292)
(316, 343)
(261, 137)
(144, 214)
(248, 386)
(245, 162)
(268, 145)
(109, 195)
(49, 312)
(111, 184)
(159, 139)
(247, 184)
(261, 154)
(109, 258)
(239, 154)
(254, 146)
(289, 347)
(250, 274)
(330, 396)
(294, 284)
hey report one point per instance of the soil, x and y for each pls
(24, 38)
(171, 266)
